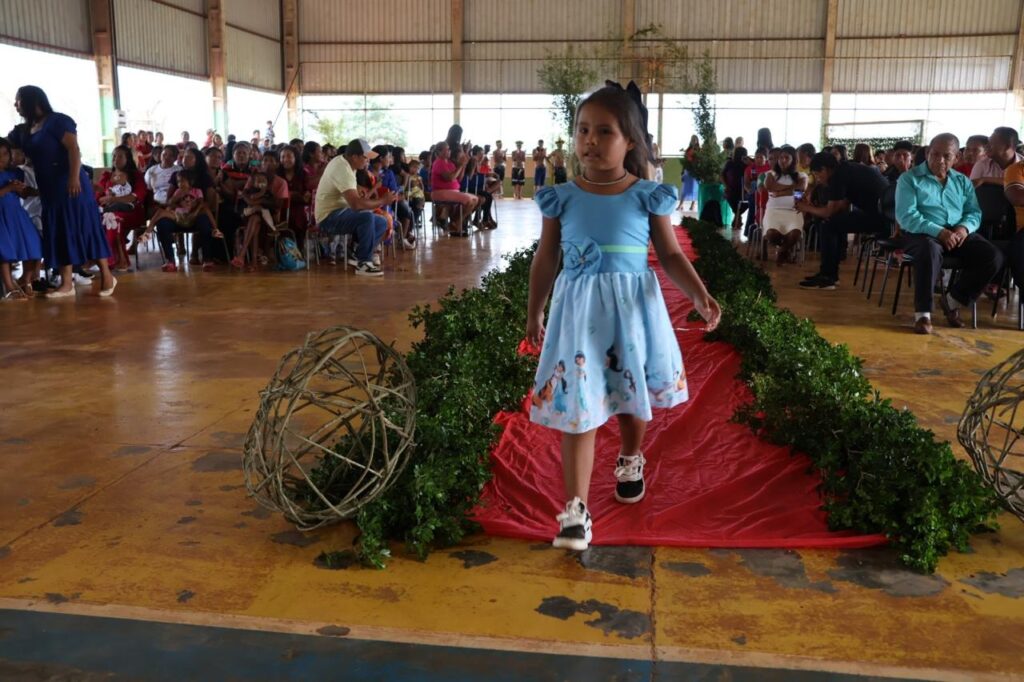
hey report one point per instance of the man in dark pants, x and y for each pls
(854, 191)
(938, 214)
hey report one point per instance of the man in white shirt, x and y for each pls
(341, 210)
(158, 177)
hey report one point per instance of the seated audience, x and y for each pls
(853, 192)
(972, 153)
(341, 211)
(158, 178)
(300, 192)
(445, 177)
(783, 225)
(128, 207)
(938, 214)
(1000, 154)
(185, 212)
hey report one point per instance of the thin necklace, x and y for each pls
(625, 174)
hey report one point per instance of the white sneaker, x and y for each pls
(629, 477)
(408, 244)
(367, 269)
(78, 280)
(376, 259)
(575, 527)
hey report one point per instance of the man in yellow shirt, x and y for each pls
(340, 210)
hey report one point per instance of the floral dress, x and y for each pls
(610, 347)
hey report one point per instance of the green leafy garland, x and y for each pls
(881, 473)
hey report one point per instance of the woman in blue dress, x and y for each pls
(689, 182)
(72, 231)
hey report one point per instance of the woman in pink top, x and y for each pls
(444, 184)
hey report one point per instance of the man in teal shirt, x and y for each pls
(938, 215)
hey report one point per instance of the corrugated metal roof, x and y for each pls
(198, 6)
(261, 16)
(352, 69)
(927, 17)
(734, 19)
(383, 21)
(507, 67)
(155, 35)
(966, 64)
(61, 25)
(531, 20)
(252, 60)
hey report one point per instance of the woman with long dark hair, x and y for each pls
(301, 192)
(72, 232)
(128, 220)
(783, 224)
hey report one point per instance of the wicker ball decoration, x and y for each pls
(992, 431)
(333, 430)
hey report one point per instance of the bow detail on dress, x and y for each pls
(581, 257)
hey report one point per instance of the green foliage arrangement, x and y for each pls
(881, 472)
(467, 369)
(707, 164)
(566, 77)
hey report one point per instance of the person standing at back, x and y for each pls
(540, 170)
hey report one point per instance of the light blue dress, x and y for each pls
(610, 347)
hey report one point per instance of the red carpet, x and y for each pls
(710, 483)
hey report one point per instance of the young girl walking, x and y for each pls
(607, 309)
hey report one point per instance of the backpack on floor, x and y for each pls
(288, 255)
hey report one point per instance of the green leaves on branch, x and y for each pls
(467, 369)
(880, 471)
(566, 77)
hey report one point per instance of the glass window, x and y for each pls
(70, 84)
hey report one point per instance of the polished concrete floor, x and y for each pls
(128, 547)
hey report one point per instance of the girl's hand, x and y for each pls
(708, 308)
(535, 331)
(74, 186)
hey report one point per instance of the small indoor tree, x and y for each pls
(566, 77)
(706, 165)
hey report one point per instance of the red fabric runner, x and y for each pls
(710, 483)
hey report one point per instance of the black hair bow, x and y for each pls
(634, 94)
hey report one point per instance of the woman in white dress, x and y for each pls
(783, 224)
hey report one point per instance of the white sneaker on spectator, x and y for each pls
(376, 259)
(353, 261)
(368, 269)
(409, 244)
(81, 281)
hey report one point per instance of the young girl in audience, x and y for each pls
(184, 206)
(607, 308)
(19, 240)
(414, 190)
(119, 189)
(257, 200)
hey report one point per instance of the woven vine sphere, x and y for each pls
(333, 430)
(992, 431)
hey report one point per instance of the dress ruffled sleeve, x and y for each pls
(662, 199)
(549, 202)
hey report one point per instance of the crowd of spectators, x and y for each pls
(950, 210)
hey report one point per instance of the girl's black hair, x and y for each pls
(617, 102)
(188, 175)
(202, 178)
(841, 148)
(130, 169)
(613, 360)
(33, 99)
(792, 172)
(299, 169)
(363, 178)
(764, 139)
(727, 143)
(739, 154)
(308, 150)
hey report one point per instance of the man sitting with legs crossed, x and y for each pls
(938, 214)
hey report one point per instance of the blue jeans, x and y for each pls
(540, 174)
(367, 227)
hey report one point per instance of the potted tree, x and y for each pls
(706, 165)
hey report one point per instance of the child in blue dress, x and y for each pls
(19, 240)
(607, 303)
